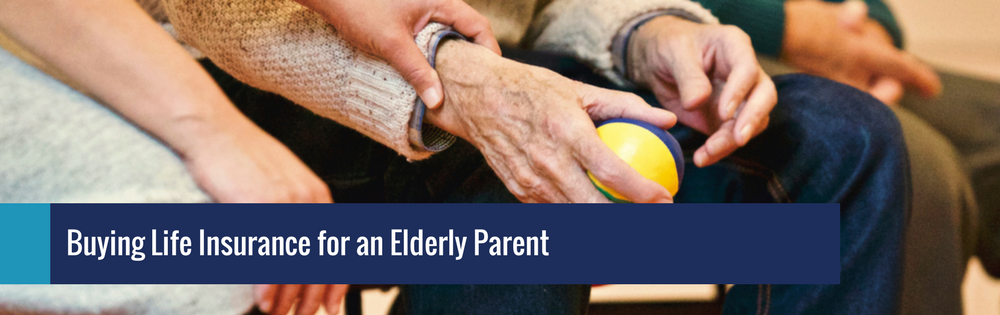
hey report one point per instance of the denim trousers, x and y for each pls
(827, 143)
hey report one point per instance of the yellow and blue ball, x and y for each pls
(650, 150)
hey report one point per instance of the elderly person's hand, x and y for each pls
(684, 62)
(385, 28)
(839, 41)
(536, 128)
(306, 298)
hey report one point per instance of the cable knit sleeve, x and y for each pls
(282, 47)
(585, 29)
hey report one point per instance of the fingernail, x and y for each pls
(431, 98)
(699, 158)
(716, 145)
(746, 133)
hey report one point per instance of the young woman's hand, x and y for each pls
(239, 162)
(279, 299)
(386, 28)
(114, 50)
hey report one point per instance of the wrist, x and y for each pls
(645, 39)
(465, 70)
(204, 127)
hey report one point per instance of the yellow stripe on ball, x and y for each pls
(642, 150)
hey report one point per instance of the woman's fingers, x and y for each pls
(334, 297)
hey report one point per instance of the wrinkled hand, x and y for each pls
(278, 299)
(238, 162)
(709, 76)
(386, 28)
(536, 128)
(838, 41)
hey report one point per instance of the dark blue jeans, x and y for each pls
(827, 143)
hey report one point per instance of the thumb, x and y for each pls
(852, 15)
(409, 61)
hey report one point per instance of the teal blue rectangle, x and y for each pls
(24, 243)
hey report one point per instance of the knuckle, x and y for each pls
(515, 188)
(484, 22)
(525, 178)
(636, 99)
(607, 176)
(539, 193)
(302, 193)
(736, 32)
(542, 161)
(520, 195)
(279, 196)
(558, 127)
(414, 73)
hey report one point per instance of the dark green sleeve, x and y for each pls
(764, 20)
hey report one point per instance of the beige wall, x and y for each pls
(962, 36)
(962, 20)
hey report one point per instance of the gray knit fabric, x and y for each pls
(60, 146)
(122, 299)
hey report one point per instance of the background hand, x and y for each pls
(838, 41)
(386, 28)
(709, 76)
(536, 128)
(279, 299)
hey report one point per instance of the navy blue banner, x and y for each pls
(438, 244)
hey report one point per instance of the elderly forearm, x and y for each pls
(465, 70)
(114, 50)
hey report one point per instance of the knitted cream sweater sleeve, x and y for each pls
(585, 29)
(282, 47)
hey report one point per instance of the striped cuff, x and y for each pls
(430, 137)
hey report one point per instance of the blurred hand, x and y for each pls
(838, 41)
(386, 28)
(238, 162)
(708, 75)
(278, 299)
(536, 128)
